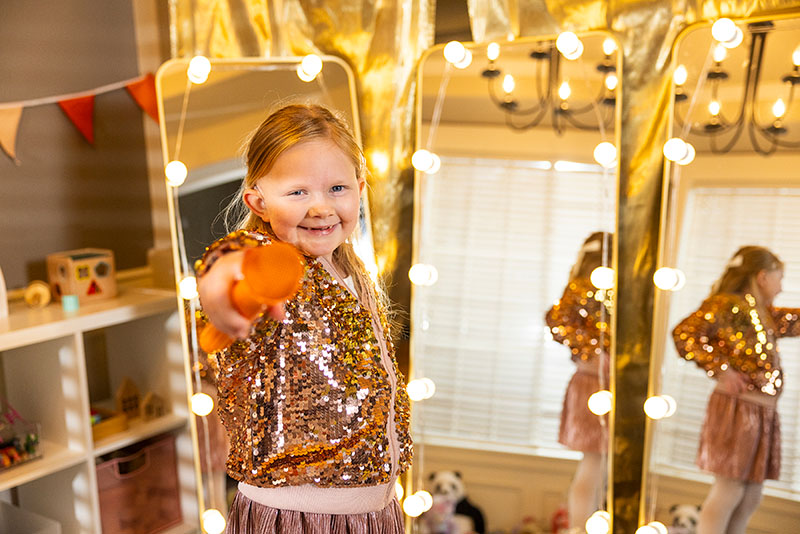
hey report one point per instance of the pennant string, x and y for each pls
(55, 99)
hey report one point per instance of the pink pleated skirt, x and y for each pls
(248, 517)
(740, 439)
(580, 429)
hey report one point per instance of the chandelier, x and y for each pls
(552, 97)
(728, 119)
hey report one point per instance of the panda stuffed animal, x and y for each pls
(447, 486)
(684, 518)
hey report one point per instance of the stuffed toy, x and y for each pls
(683, 518)
(446, 488)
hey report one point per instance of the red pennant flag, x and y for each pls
(144, 93)
(81, 112)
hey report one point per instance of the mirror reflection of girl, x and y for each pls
(733, 337)
(310, 394)
(580, 320)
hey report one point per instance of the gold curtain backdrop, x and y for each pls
(383, 41)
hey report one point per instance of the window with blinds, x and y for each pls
(717, 221)
(503, 236)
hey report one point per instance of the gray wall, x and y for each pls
(67, 194)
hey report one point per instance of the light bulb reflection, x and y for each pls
(427, 500)
(680, 75)
(564, 91)
(422, 274)
(720, 53)
(508, 84)
(669, 279)
(714, 107)
(492, 51)
(454, 52)
(605, 154)
(796, 57)
(602, 278)
(609, 46)
(599, 523)
(198, 70)
(414, 506)
(213, 521)
(176, 173)
(660, 406)
(611, 82)
(202, 404)
(420, 389)
(465, 62)
(426, 161)
(187, 288)
(779, 108)
(569, 45)
(600, 402)
(723, 30)
(309, 67)
(675, 149)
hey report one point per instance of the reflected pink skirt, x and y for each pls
(580, 429)
(740, 439)
(248, 517)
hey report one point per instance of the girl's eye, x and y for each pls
(296, 193)
(338, 188)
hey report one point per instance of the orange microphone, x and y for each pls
(272, 274)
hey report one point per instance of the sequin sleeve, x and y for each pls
(787, 321)
(580, 320)
(237, 240)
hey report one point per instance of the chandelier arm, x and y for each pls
(752, 130)
(532, 123)
(570, 118)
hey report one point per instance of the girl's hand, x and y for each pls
(732, 381)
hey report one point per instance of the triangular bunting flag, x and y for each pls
(81, 112)
(144, 93)
(9, 122)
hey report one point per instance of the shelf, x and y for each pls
(55, 458)
(138, 431)
(26, 326)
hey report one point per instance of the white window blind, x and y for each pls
(717, 222)
(503, 236)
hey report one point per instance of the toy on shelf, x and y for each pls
(127, 398)
(272, 274)
(37, 294)
(88, 273)
(19, 439)
(107, 422)
(153, 406)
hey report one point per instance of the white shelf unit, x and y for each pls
(52, 370)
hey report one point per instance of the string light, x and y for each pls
(569, 45)
(605, 154)
(600, 402)
(602, 278)
(660, 406)
(202, 404)
(309, 67)
(422, 274)
(426, 161)
(198, 70)
(420, 389)
(599, 523)
(213, 521)
(176, 173)
(187, 288)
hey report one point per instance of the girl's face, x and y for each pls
(769, 284)
(310, 197)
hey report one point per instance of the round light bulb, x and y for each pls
(779, 108)
(646, 529)
(303, 75)
(658, 527)
(422, 160)
(427, 500)
(398, 490)
(680, 75)
(600, 402)
(609, 46)
(736, 41)
(723, 30)
(720, 53)
(187, 288)
(198, 70)
(690, 154)
(311, 64)
(569, 45)
(659, 406)
(213, 521)
(564, 91)
(665, 278)
(413, 506)
(465, 62)
(202, 404)
(422, 274)
(492, 51)
(420, 389)
(598, 523)
(611, 82)
(176, 173)
(454, 52)
(675, 149)
(796, 57)
(605, 154)
(508, 84)
(602, 278)
(714, 107)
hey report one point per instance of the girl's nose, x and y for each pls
(320, 208)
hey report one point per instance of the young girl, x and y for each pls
(310, 394)
(580, 320)
(733, 337)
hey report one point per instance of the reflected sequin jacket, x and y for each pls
(307, 400)
(727, 331)
(581, 320)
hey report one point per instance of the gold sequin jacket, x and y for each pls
(727, 331)
(307, 400)
(581, 320)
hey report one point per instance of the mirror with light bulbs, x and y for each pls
(208, 109)
(733, 169)
(516, 168)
